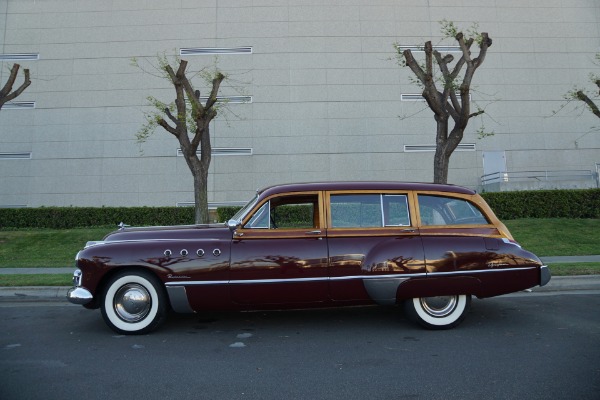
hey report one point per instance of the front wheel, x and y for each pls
(134, 302)
(440, 312)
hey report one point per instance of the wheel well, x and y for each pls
(427, 287)
(131, 269)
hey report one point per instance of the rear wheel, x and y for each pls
(439, 312)
(134, 302)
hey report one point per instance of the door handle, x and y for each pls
(315, 232)
(408, 230)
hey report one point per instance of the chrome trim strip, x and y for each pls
(341, 278)
(369, 277)
(315, 279)
(471, 271)
(103, 242)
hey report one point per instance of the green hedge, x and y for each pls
(77, 217)
(506, 205)
(545, 204)
(226, 213)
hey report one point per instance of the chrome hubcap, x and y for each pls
(439, 306)
(132, 302)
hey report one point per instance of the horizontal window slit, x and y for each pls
(225, 151)
(19, 57)
(19, 105)
(421, 49)
(415, 148)
(196, 51)
(26, 155)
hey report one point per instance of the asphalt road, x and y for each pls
(528, 346)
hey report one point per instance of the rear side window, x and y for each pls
(369, 210)
(440, 210)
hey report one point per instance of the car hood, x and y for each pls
(187, 232)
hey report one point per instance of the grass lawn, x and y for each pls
(575, 269)
(37, 280)
(556, 236)
(51, 248)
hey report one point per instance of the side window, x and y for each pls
(440, 210)
(355, 210)
(260, 219)
(294, 216)
(287, 212)
(395, 210)
(368, 210)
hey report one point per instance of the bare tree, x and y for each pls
(189, 121)
(451, 100)
(7, 93)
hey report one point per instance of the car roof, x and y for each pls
(359, 185)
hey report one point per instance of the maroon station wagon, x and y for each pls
(426, 247)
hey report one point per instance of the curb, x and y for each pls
(58, 293)
(566, 283)
(34, 293)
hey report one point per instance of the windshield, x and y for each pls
(242, 213)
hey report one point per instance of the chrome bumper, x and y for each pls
(545, 275)
(77, 294)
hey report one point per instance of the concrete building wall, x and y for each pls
(326, 94)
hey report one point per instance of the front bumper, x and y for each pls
(78, 294)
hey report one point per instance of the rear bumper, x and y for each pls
(545, 275)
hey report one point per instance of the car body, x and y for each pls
(428, 247)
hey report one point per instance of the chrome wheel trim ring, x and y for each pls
(439, 306)
(132, 302)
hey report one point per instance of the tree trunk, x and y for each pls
(440, 166)
(200, 196)
(441, 159)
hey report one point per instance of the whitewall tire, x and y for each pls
(134, 302)
(441, 312)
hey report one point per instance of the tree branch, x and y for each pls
(167, 127)
(449, 87)
(5, 93)
(414, 65)
(216, 83)
(486, 42)
(583, 97)
(476, 114)
(171, 117)
(194, 98)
